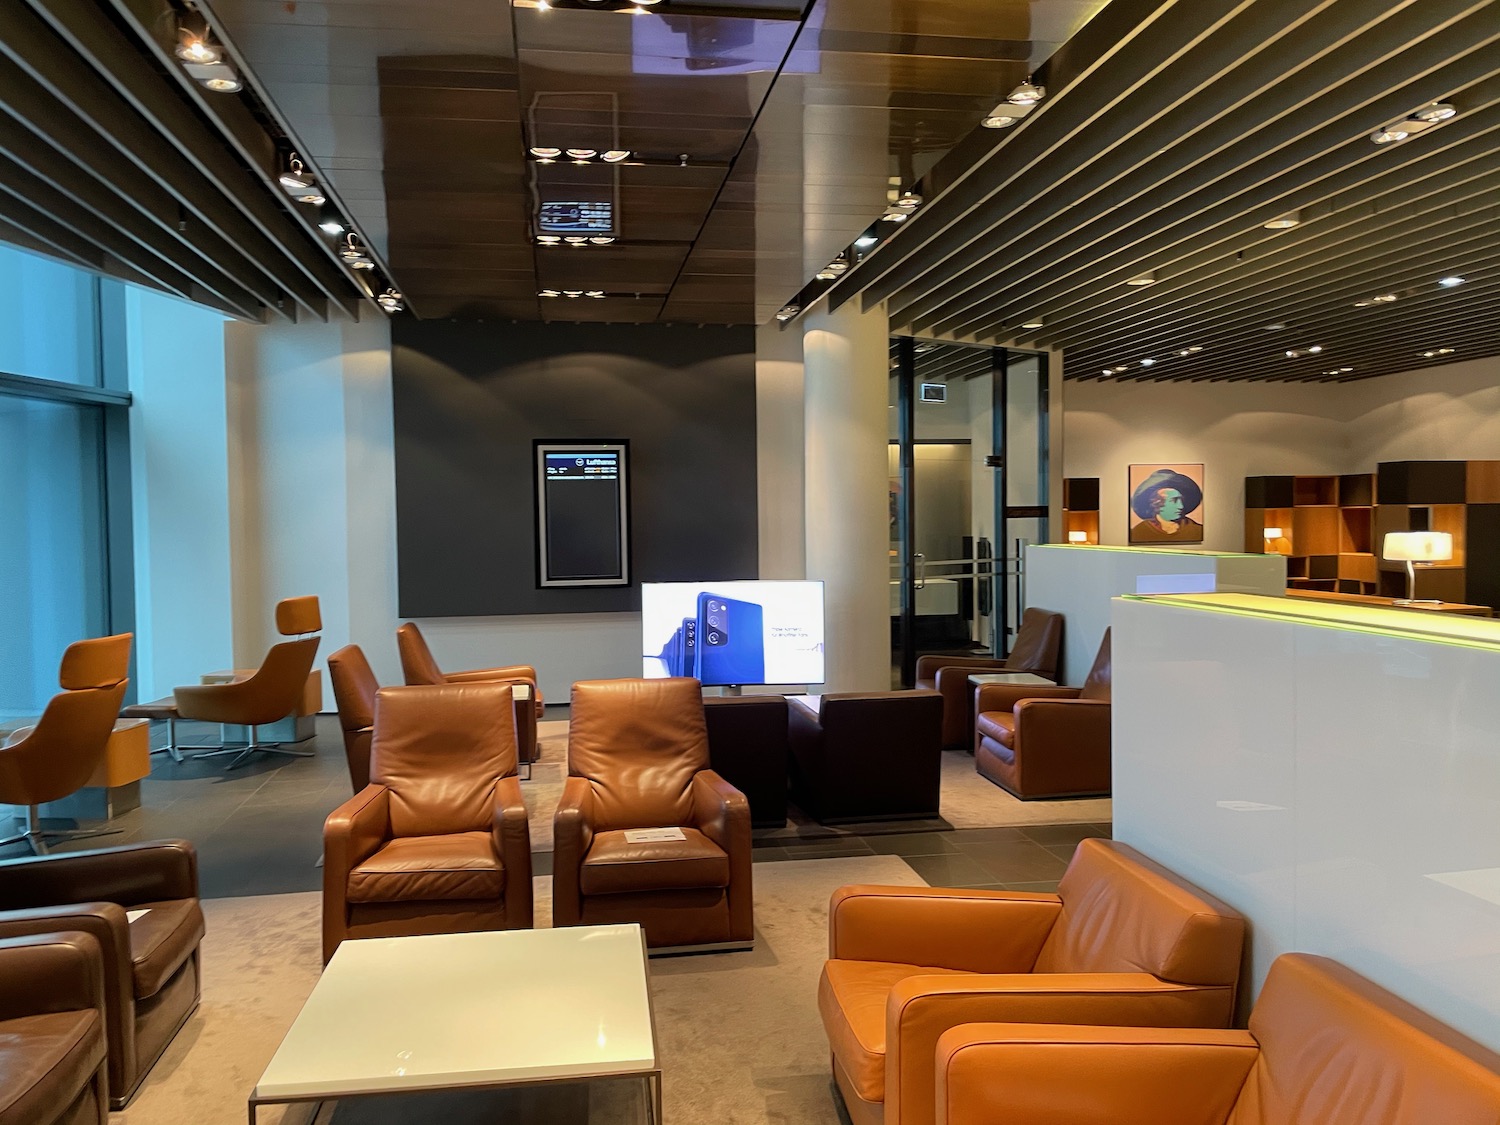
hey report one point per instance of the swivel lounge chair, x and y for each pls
(638, 760)
(1038, 642)
(58, 755)
(150, 965)
(438, 842)
(419, 667)
(354, 690)
(269, 694)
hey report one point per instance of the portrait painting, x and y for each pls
(1166, 503)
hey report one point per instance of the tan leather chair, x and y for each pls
(1325, 1046)
(1123, 942)
(437, 843)
(638, 758)
(58, 755)
(419, 667)
(267, 696)
(1038, 642)
(52, 1031)
(151, 976)
(1046, 741)
(867, 756)
(354, 688)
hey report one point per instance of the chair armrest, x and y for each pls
(212, 703)
(519, 673)
(353, 832)
(1063, 721)
(512, 836)
(51, 972)
(720, 811)
(977, 931)
(127, 875)
(920, 1009)
(929, 666)
(572, 834)
(1005, 697)
(1029, 1075)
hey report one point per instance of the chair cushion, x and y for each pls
(851, 999)
(613, 865)
(161, 940)
(463, 865)
(45, 1061)
(997, 726)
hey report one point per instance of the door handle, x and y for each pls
(919, 565)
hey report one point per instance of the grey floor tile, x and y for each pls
(1021, 862)
(1055, 835)
(949, 870)
(919, 843)
(965, 836)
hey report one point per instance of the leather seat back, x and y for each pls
(101, 662)
(440, 749)
(417, 663)
(1097, 686)
(1123, 913)
(640, 742)
(1336, 1049)
(298, 616)
(354, 687)
(1037, 644)
(910, 719)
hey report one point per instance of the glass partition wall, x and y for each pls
(968, 479)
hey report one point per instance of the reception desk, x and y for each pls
(1333, 771)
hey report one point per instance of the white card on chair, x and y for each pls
(652, 835)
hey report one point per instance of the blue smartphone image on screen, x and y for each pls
(687, 664)
(730, 641)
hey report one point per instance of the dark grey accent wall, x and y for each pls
(471, 397)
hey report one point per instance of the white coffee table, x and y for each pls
(980, 678)
(508, 1008)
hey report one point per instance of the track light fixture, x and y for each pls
(909, 201)
(865, 241)
(193, 48)
(1382, 299)
(894, 215)
(1298, 353)
(391, 301)
(1027, 93)
(787, 312)
(203, 60)
(353, 255)
(544, 152)
(1004, 115)
(300, 184)
(582, 153)
(1435, 352)
(1424, 117)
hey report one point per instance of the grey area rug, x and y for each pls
(739, 1035)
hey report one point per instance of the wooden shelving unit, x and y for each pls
(1081, 508)
(1326, 524)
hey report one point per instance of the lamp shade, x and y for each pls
(1273, 533)
(1078, 537)
(1417, 546)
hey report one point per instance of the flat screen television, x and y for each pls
(733, 633)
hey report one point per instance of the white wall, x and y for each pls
(780, 488)
(1442, 413)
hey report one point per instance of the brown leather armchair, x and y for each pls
(638, 759)
(867, 756)
(419, 667)
(1123, 942)
(437, 843)
(1037, 644)
(151, 976)
(268, 695)
(354, 688)
(1325, 1045)
(52, 1031)
(1038, 741)
(747, 747)
(59, 754)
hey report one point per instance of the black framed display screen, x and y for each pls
(583, 514)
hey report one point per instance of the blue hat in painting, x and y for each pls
(1140, 499)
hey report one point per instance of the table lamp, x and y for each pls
(1412, 547)
(1272, 535)
(1078, 537)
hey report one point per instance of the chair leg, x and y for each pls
(171, 748)
(36, 836)
(269, 747)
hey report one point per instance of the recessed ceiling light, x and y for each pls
(1285, 222)
(1194, 350)
(196, 49)
(1435, 112)
(1435, 352)
(1026, 93)
(1032, 324)
(787, 312)
(223, 84)
(295, 178)
(615, 155)
(548, 239)
(1147, 362)
(893, 215)
(1298, 353)
(1382, 299)
(546, 152)
(909, 201)
(583, 153)
(1148, 278)
(1389, 135)
(865, 241)
(597, 294)
(572, 292)
(548, 293)
(1277, 327)
(825, 275)
(576, 240)
(601, 239)
(1450, 282)
(332, 225)
(1004, 115)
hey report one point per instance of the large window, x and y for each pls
(60, 429)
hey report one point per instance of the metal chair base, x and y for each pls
(36, 836)
(171, 748)
(242, 753)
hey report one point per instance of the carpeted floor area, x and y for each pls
(739, 1036)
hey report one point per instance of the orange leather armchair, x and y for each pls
(437, 843)
(419, 667)
(52, 1031)
(1038, 741)
(1122, 942)
(150, 966)
(1037, 644)
(638, 759)
(354, 688)
(59, 754)
(270, 694)
(1325, 1045)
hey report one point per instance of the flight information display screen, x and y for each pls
(583, 526)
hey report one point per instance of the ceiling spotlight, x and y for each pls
(1026, 93)
(1298, 353)
(1147, 362)
(1435, 112)
(572, 292)
(223, 84)
(1277, 327)
(1285, 222)
(909, 201)
(824, 275)
(363, 264)
(615, 155)
(331, 224)
(353, 256)
(601, 239)
(1032, 324)
(1382, 299)
(838, 265)
(787, 312)
(390, 301)
(597, 294)
(576, 240)
(543, 6)
(1450, 282)
(197, 49)
(548, 293)
(295, 179)
(865, 241)
(1004, 115)
(1435, 352)
(542, 152)
(1194, 350)
(1389, 135)
(893, 215)
(1147, 278)
(582, 153)
(548, 239)
(1117, 370)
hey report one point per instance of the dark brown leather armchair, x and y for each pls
(267, 696)
(151, 977)
(354, 688)
(638, 759)
(747, 747)
(59, 754)
(52, 1031)
(867, 756)
(437, 843)
(419, 667)
(1038, 642)
(1047, 741)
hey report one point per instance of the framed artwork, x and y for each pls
(1166, 503)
